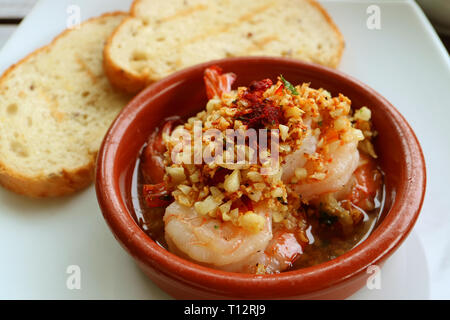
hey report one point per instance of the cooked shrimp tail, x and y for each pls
(279, 255)
(216, 82)
(153, 156)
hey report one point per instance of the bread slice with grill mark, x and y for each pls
(55, 107)
(160, 37)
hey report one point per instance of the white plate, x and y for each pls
(404, 61)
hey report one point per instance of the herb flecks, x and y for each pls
(289, 85)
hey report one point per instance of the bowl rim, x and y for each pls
(386, 237)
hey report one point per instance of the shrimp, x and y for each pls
(211, 241)
(153, 155)
(224, 246)
(297, 159)
(217, 83)
(344, 161)
(364, 185)
(279, 255)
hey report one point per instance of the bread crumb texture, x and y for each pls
(161, 37)
(55, 107)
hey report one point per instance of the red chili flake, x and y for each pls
(260, 112)
(279, 91)
(256, 89)
(261, 85)
(261, 115)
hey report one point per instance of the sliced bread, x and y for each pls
(160, 37)
(55, 107)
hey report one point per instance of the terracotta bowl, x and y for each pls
(183, 93)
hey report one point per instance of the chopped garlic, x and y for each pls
(195, 177)
(213, 104)
(226, 207)
(254, 176)
(206, 206)
(255, 196)
(293, 112)
(217, 194)
(341, 123)
(358, 134)
(252, 222)
(176, 173)
(284, 131)
(277, 192)
(232, 182)
(363, 114)
(277, 217)
(184, 188)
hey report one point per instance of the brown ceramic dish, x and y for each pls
(183, 94)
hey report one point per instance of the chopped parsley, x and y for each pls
(289, 85)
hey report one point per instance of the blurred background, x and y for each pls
(13, 11)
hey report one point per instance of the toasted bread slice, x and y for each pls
(160, 37)
(55, 107)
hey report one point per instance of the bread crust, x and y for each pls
(335, 28)
(44, 186)
(56, 184)
(121, 79)
(129, 82)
